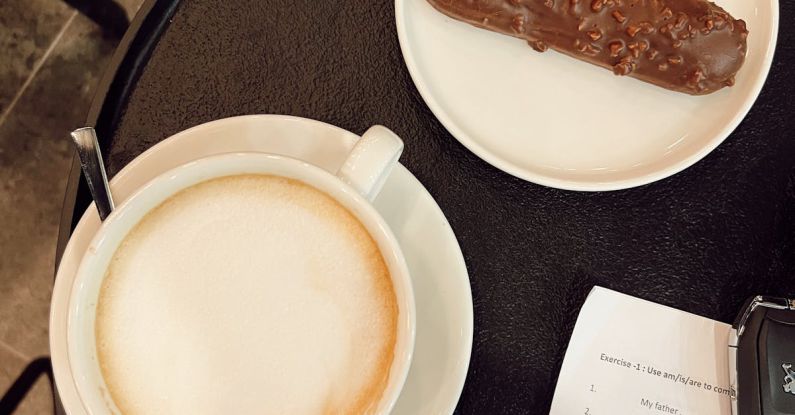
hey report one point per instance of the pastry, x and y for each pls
(690, 46)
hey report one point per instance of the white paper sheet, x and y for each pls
(630, 356)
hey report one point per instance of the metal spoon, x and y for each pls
(87, 145)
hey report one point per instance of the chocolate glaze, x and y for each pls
(690, 46)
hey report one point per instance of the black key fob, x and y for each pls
(762, 358)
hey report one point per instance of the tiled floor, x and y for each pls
(51, 58)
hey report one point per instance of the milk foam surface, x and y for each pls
(247, 294)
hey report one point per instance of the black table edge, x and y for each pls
(107, 106)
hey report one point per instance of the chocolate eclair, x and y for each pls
(690, 46)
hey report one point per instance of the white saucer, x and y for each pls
(439, 275)
(560, 122)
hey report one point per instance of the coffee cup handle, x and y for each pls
(371, 161)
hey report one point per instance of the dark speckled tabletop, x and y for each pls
(703, 240)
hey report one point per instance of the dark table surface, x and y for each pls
(703, 240)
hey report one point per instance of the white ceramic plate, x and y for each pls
(439, 275)
(560, 122)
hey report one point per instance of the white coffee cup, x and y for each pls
(355, 186)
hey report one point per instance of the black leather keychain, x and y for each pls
(762, 357)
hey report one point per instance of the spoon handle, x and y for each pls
(87, 145)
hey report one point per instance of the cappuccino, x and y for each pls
(247, 294)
